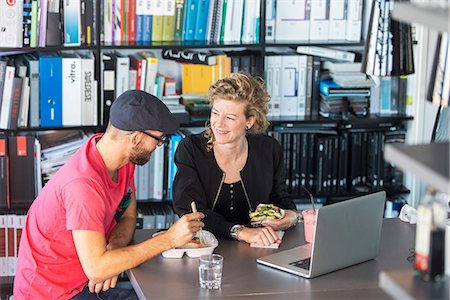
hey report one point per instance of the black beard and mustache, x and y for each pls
(139, 156)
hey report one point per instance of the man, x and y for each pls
(77, 231)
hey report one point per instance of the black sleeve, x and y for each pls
(187, 187)
(279, 196)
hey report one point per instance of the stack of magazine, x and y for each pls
(347, 90)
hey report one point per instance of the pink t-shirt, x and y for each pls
(80, 196)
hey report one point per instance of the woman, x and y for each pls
(232, 167)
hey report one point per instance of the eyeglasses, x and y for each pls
(161, 140)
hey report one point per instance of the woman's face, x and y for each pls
(228, 120)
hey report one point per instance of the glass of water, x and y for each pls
(210, 271)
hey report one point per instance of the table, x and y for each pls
(243, 277)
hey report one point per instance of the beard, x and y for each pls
(139, 156)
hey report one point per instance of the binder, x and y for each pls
(4, 172)
(108, 86)
(50, 99)
(22, 170)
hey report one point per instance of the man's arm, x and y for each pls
(100, 264)
(122, 234)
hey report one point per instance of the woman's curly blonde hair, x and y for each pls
(242, 88)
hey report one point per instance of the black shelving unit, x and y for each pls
(374, 122)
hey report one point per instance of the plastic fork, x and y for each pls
(201, 235)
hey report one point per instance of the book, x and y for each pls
(157, 20)
(190, 14)
(327, 52)
(337, 22)
(32, 64)
(319, 20)
(330, 89)
(26, 30)
(7, 97)
(11, 24)
(168, 34)
(191, 56)
(292, 20)
(4, 172)
(3, 246)
(202, 20)
(89, 102)
(151, 71)
(179, 20)
(270, 20)
(108, 87)
(50, 100)
(72, 23)
(22, 183)
(71, 89)
(354, 20)
(53, 33)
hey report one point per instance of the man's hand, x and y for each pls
(290, 219)
(264, 236)
(108, 283)
(184, 229)
(103, 286)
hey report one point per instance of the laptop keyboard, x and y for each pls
(302, 263)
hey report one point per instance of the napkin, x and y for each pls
(280, 234)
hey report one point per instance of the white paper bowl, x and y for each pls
(196, 252)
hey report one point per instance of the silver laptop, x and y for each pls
(346, 233)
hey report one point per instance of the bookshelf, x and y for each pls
(430, 162)
(258, 49)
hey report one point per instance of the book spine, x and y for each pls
(148, 21)
(16, 95)
(169, 21)
(50, 70)
(140, 21)
(88, 104)
(4, 181)
(33, 69)
(132, 22)
(108, 21)
(109, 75)
(21, 153)
(11, 23)
(192, 57)
(157, 26)
(27, 22)
(43, 8)
(202, 19)
(189, 20)
(8, 89)
(179, 20)
(72, 23)
(89, 27)
(22, 120)
(34, 23)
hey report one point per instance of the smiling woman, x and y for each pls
(232, 167)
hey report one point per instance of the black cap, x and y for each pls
(136, 110)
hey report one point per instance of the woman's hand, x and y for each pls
(263, 236)
(290, 219)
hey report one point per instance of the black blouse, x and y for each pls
(199, 179)
(232, 203)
